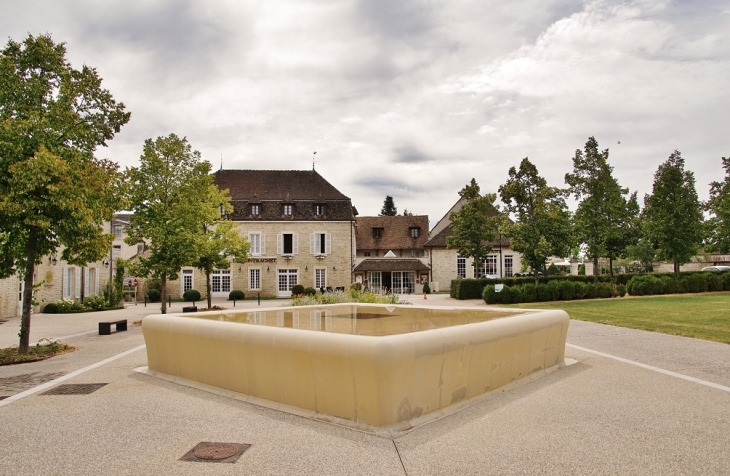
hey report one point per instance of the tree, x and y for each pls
(543, 224)
(169, 194)
(474, 224)
(406, 213)
(642, 252)
(220, 240)
(719, 206)
(53, 192)
(603, 212)
(389, 209)
(673, 219)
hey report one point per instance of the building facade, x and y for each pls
(301, 230)
(390, 253)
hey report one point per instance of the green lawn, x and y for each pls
(702, 316)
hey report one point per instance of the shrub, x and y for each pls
(237, 295)
(714, 282)
(191, 295)
(581, 270)
(356, 286)
(51, 308)
(489, 295)
(691, 283)
(552, 269)
(95, 303)
(426, 288)
(529, 292)
(542, 293)
(511, 294)
(604, 290)
(726, 281)
(554, 289)
(580, 290)
(297, 289)
(567, 290)
(591, 292)
(621, 289)
(66, 305)
(309, 291)
(154, 295)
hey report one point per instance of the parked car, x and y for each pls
(716, 268)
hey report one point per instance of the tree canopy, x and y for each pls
(543, 227)
(603, 211)
(719, 206)
(389, 209)
(169, 194)
(672, 217)
(53, 192)
(474, 224)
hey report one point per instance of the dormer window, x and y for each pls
(378, 233)
(288, 210)
(319, 210)
(255, 210)
(414, 231)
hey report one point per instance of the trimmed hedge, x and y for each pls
(51, 308)
(154, 295)
(297, 289)
(191, 295)
(697, 282)
(310, 291)
(237, 295)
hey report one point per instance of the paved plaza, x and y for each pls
(634, 403)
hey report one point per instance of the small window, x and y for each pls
(377, 233)
(255, 210)
(140, 248)
(460, 267)
(288, 209)
(255, 240)
(319, 210)
(117, 230)
(415, 232)
(366, 254)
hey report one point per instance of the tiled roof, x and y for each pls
(271, 189)
(396, 233)
(391, 265)
(440, 239)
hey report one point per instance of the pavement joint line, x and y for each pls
(652, 368)
(70, 336)
(39, 388)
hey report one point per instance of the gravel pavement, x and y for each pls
(635, 403)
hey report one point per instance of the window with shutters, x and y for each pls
(320, 244)
(287, 244)
(258, 247)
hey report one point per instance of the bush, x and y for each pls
(591, 291)
(191, 295)
(542, 293)
(580, 290)
(714, 283)
(309, 291)
(237, 295)
(567, 290)
(581, 270)
(621, 289)
(554, 289)
(426, 288)
(95, 303)
(154, 295)
(489, 295)
(529, 292)
(356, 286)
(511, 294)
(297, 290)
(51, 308)
(604, 290)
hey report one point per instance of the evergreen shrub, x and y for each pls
(51, 308)
(191, 295)
(297, 289)
(236, 294)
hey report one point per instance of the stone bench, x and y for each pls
(105, 328)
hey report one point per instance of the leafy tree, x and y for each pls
(220, 240)
(673, 219)
(53, 192)
(543, 226)
(169, 194)
(389, 209)
(719, 206)
(642, 252)
(474, 224)
(603, 212)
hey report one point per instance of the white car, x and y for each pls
(716, 268)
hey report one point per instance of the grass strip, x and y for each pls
(701, 316)
(44, 349)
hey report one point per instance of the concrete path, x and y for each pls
(635, 403)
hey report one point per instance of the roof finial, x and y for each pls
(221, 160)
(313, 154)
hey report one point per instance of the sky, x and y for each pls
(406, 98)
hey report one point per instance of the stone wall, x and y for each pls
(443, 265)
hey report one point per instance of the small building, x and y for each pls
(446, 264)
(390, 253)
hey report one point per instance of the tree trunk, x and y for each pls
(610, 267)
(676, 270)
(163, 293)
(207, 286)
(24, 333)
(595, 270)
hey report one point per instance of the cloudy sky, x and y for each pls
(409, 98)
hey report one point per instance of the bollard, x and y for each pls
(259, 298)
(145, 300)
(234, 302)
(169, 301)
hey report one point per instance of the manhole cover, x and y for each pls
(74, 389)
(216, 451)
(209, 452)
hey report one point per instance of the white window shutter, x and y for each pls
(279, 243)
(96, 283)
(312, 243)
(64, 277)
(295, 243)
(87, 284)
(77, 279)
(262, 240)
(328, 243)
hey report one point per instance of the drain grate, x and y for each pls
(208, 452)
(74, 389)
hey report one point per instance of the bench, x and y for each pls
(105, 328)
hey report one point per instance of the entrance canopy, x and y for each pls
(391, 265)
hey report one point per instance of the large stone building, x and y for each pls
(301, 230)
(446, 264)
(390, 253)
